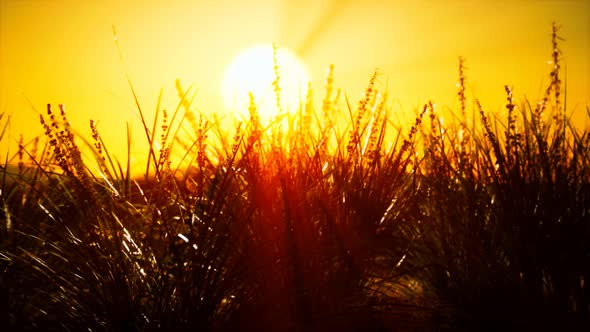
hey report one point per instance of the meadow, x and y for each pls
(332, 218)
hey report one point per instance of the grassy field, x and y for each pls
(331, 218)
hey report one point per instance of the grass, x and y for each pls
(328, 219)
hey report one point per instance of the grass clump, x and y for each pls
(505, 216)
(319, 220)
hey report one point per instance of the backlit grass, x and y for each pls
(331, 218)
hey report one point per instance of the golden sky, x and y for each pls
(62, 51)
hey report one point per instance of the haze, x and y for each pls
(63, 51)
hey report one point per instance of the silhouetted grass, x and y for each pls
(320, 220)
(504, 223)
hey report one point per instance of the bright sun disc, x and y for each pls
(252, 70)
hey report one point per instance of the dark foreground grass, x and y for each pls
(311, 223)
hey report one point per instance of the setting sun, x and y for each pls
(294, 165)
(253, 70)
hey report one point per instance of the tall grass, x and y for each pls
(319, 220)
(504, 221)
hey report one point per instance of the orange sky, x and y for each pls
(62, 51)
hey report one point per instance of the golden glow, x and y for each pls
(62, 51)
(253, 70)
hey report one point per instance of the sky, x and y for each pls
(63, 51)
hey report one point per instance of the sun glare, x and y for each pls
(252, 70)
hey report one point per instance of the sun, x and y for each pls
(252, 70)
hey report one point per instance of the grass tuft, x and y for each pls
(332, 222)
